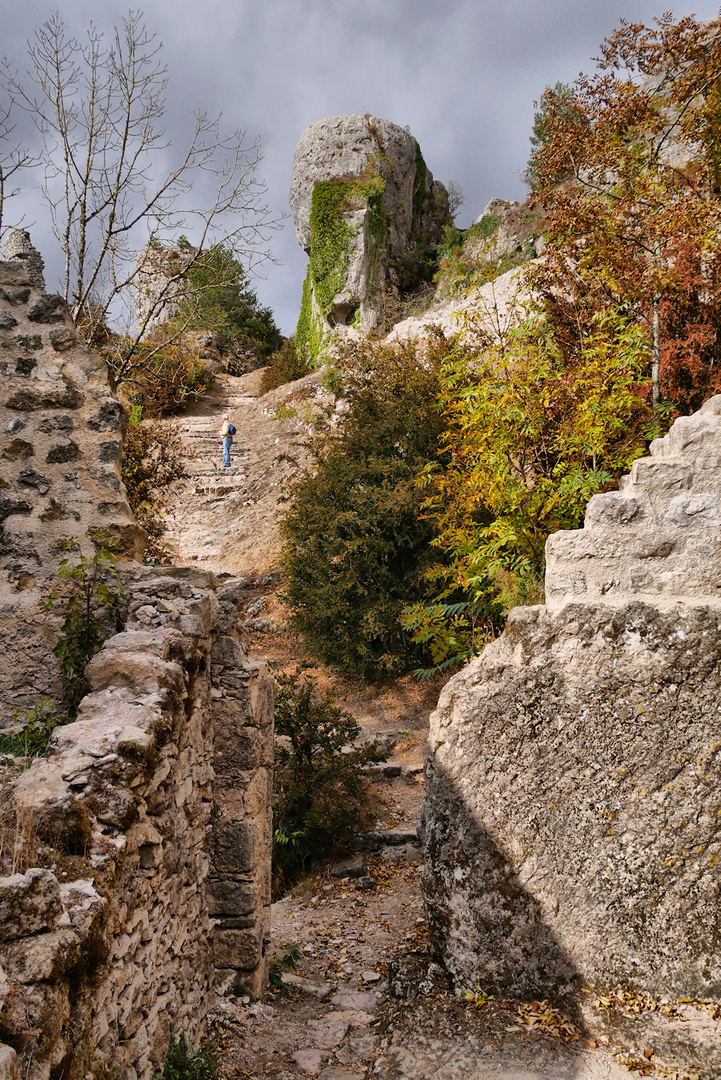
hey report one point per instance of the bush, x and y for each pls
(285, 366)
(356, 544)
(151, 461)
(320, 792)
(165, 374)
(182, 1063)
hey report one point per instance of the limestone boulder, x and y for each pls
(361, 197)
(29, 903)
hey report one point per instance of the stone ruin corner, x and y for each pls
(571, 821)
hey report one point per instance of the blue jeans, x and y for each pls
(227, 443)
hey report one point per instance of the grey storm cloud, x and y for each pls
(463, 76)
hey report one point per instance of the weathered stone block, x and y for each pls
(29, 903)
(49, 309)
(236, 750)
(62, 340)
(234, 847)
(18, 450)
(46, 956)
(237, 948)
(230, 897)
(69, 451)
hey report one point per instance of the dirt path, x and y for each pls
(349, 1009)
(336, 1019)
(225, 520)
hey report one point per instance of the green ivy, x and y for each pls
(310, 333)
(330, 239)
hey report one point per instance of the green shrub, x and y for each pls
(36, 726)
(91, 597)
(320, 792)
(182, 1063)
(356, 544)
(284, 366)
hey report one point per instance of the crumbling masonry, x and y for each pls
(155, 803)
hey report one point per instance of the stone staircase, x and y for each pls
(225, 519)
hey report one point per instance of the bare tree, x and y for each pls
(13, 157)
(99, 108)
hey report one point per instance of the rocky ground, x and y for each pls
(354, 994)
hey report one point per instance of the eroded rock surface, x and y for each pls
(657, 538)
(361, 196)
(571, 821)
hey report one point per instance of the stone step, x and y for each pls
(380, 838)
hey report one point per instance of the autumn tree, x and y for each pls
(639, 143)
(536, 421)
(99, 107)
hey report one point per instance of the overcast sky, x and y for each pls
(462, 75)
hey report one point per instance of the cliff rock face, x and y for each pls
(361, 196)
(60, 478)
(571, 821)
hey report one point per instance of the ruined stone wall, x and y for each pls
(572, 820)
(60, 459)
(139, 849)
(158, 285)
(154, 884)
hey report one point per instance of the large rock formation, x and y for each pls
(361, 196)
(572, 821)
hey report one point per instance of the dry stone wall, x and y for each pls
(139, 849)
(156, 888)
(572, 820)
